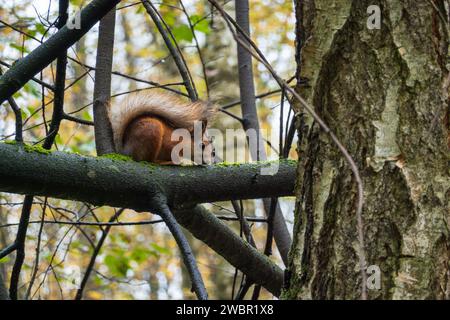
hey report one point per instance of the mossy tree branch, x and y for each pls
(119, 182)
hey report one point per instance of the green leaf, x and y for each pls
(58, 140)
(183, 32)
(86, 115)
(19, 48)
(40, 28)
(140, 9)
(98, 280)
(169, 18)
(160, 249)
(203, 26)
(24, 113)
(5, 260)
(200, 25)
(31, 88)
(117, 265)
(140, 254)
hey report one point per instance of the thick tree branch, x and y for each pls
(24, 69)
(216, 234)
(60, 82)
(118, 183)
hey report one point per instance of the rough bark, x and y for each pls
(385, 95)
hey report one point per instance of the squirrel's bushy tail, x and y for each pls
(177, 112)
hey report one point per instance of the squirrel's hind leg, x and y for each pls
(143, 139)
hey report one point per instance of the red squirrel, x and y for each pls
(144, 124)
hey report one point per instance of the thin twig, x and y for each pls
(37, 252)
(8, 250)
(20, 246)
(149, 82)
(125, 93)
(38, 81)
(118, 223)
(269, 240)
(245, 227)
(97, 249)
(199, 51)
(173, 49)
(77, 120)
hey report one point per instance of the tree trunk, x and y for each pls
(384, 93)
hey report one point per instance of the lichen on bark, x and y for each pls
(385, 95)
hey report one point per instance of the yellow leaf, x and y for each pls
(95, 295)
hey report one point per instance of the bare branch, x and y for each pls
(207, 228)
(199, 51)
(102, 86)
(60, 82)
(24, 69)
(160, 207)
(97, 249)
(18, 115)
(173, 49)
(20, 246)
(251, 122)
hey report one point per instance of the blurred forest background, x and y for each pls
(138, 261)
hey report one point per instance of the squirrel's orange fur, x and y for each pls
(144, 124)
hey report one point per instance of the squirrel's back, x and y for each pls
(168, 107)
